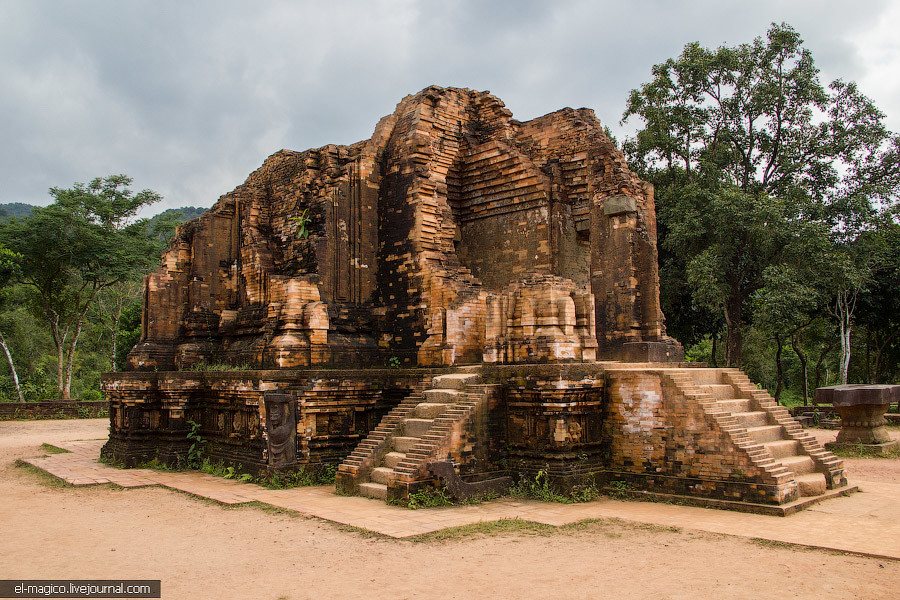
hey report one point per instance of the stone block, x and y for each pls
(617, 205)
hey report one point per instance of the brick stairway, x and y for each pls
(772, 438)
(397, 452)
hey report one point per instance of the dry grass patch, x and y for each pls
(486, 529)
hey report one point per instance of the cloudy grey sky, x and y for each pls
(189, 97)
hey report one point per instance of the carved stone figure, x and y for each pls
(281, 429)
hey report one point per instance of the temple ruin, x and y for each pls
(461, 288)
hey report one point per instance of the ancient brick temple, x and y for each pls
(461, 287)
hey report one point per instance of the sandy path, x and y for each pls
(201, 550)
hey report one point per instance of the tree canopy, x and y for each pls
(765, 178)
(86, 241)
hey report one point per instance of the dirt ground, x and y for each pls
(202, 550)
(867, 469)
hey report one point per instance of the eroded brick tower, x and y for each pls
(455, 235)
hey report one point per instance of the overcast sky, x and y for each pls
(188, 97)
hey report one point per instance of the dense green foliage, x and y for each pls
(70, 281)
(777, 210)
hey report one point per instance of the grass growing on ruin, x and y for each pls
(219, 366)
(618, 490)
(220, 470)
(428, 498)
(303, 477)
(539, 488)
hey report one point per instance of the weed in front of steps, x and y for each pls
(539, 488)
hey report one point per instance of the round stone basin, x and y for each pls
(862, 409)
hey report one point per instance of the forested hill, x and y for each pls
(14, 209)
(176, 215)
(185, 213)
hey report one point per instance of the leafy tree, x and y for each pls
(786, 307)
(746, 148)
(86, 241)
(108, 310)
(878, 310)
(8, 260)
(129, 333)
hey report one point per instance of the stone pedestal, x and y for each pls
(862, 409)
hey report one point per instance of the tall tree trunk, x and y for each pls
(12, 368)
(822, 356)
(734, 340)
(845, 353)
(868, 355)
(61, 369)
(798, 350)
(779, 372)
(844, 306)
(115, 336)
(59, 340)
(715, 348)
(70, 354)
(67, 385)
(879, 353)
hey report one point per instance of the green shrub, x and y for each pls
(539, 488)
(429, 497)
(196, 450)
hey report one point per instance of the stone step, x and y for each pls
(734, 406)
(404, 443)
(766, 433)
(392, 459)
(811, 484)
(751, 419)
(783, 448)
(719, 391)
(430, 410)
(705, 376)
(440, 396)
(382, 475)
(373, 490)
(798, 464)
(416, 427)
(455, 381)
(444, 396)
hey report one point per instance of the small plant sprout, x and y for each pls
(302, 222)
(196, 450)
